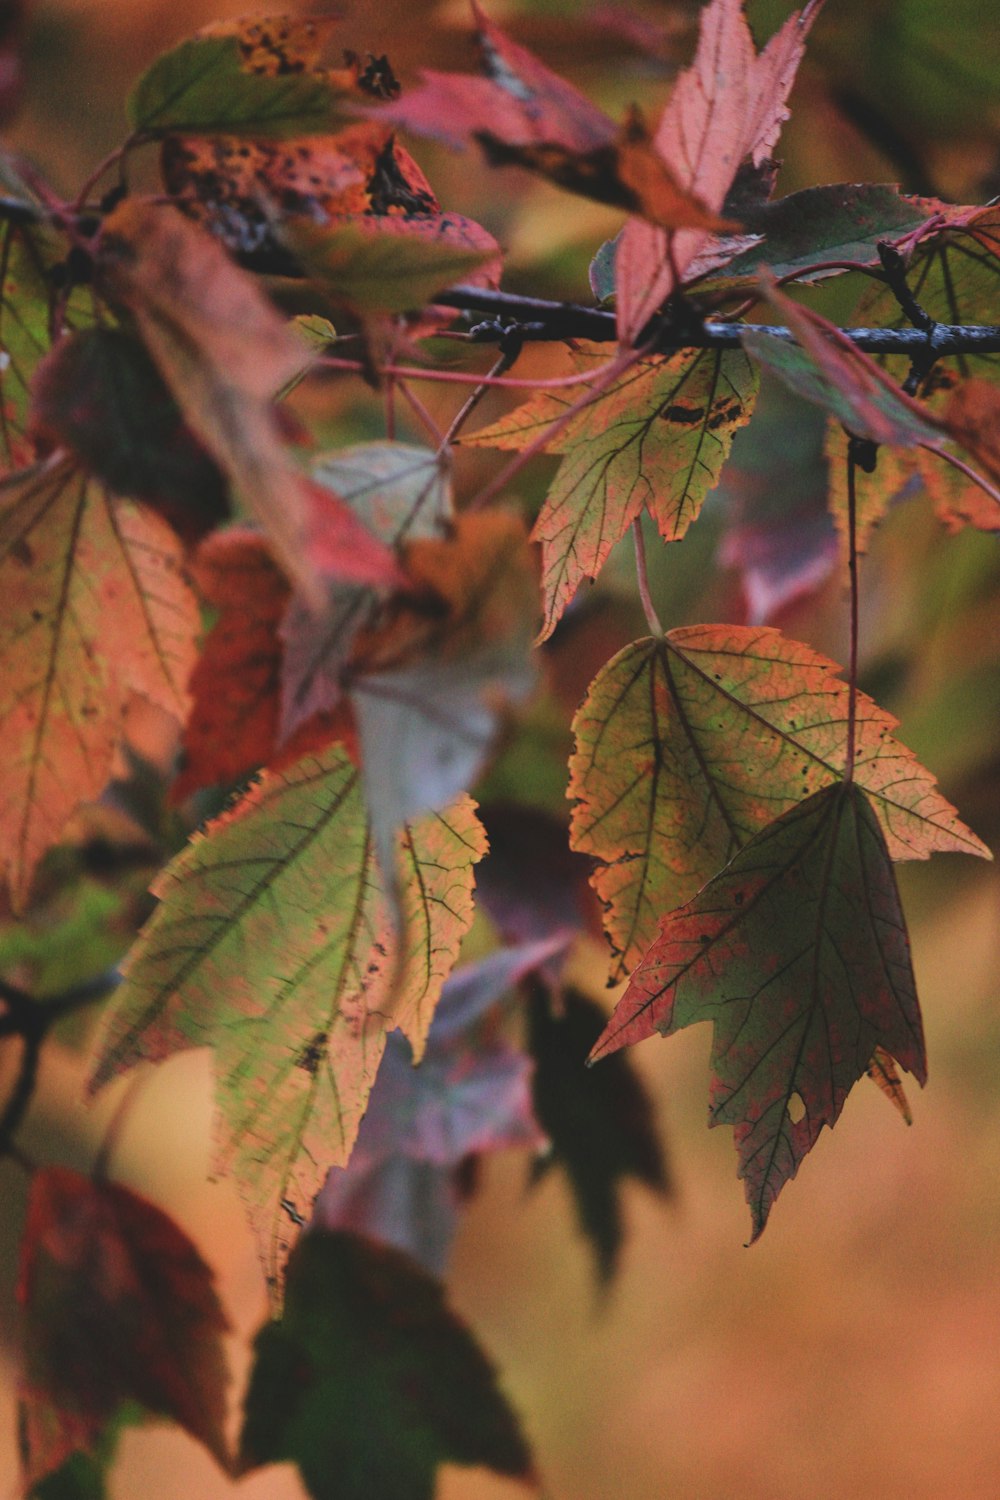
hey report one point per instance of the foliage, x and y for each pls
(335, 630)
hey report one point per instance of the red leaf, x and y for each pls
(798, 953)
(118, 1306)
(728, 106)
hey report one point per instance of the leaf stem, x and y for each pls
(642, 574)
(473, 399)
(966, 469)
(852, 569)
(419, 409)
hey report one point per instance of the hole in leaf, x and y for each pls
(796, 1108)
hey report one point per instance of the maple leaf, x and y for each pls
(600, 1125)
(798, 954)
(404, 494)
(255, 76)
(655, 439)
(470, 1093)
(727, 107)
(524, 114)
(429, 686)
(688, 744)
(369, 1381)
(94, 607)
(118, 1306)
(224, 352)
(274, 944)
(825, 367)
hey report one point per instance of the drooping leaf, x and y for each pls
(429, 686)
(390, 264)
(689, 744)
(369, 1381)
(224, 352)
(118, 1305)
(93, 607)
(523, 114)
(656, 439)
(470, 1093)
(403, 493)
(231, 186)
(798, 953)
(727, 107)
(99, 394)
(224, 81)
(825, 367)
(273, 944)
(600, 1124)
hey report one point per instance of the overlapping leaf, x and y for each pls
(118, 1306)
(727, 107)
(273, 943)
(93, 606)
(688, 745)
(523, 113)
(24, 337)
(655, 439)
(225, 352)
(798, 953)
(370, 1381)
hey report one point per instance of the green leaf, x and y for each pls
(203, 86)
(798, 953)
(383, 264)
(687, 745)
(370, 1381)
(273, 944)
(656, 439)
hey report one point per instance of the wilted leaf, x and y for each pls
(600, 1124)
(233, 187)
(274, 945)
(118, 1305)
(825, 367)
(686, 746)
(798, 953)
(403, 493)
(369, 1381)
(656, 439)
(430, 686)
(523, 114)
(93, 607)
(224, 352)
(99, 394)
(727, 107)
(215, 82)
(470, 1093)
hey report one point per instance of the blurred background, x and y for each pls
(855, 1350)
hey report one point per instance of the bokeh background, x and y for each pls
(855, 1350)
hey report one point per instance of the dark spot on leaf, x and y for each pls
(684, 416)
(311, 1055)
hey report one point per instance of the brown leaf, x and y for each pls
(118, 1306)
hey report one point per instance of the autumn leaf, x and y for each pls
(93, 607)
(470, 1094)
(99, 395)
(370, 1381)
(430, 685)
(24, 336)
(688, 745)
(655, 439)
(600, 1125)
(973, 419)
(118, 1306)
(884, 1074)
(257, 77)
(274, 944)
(727, 107)
(896, 470)
(225, 352)
(798, 954)
(404, 494)
(522, 113)
(825, 367)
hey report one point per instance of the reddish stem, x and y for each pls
(852, 569)
(642, 574)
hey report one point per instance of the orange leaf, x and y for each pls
(118, 1306)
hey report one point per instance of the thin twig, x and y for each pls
(420, 410)
(472, 401)
(970, 473)
(852, 569)
(642, 574)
